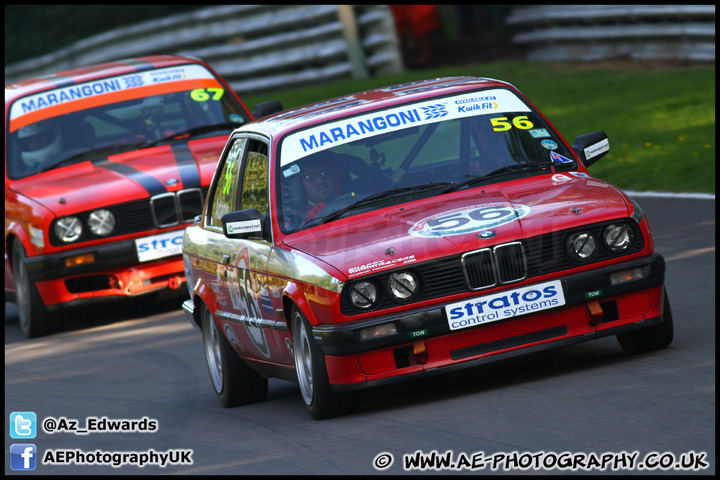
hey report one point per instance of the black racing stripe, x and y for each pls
(148, 182)
(189, 171)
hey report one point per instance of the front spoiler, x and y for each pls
(498, 357)
(342, 340)
(106, 256)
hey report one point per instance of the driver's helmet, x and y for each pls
(38, 142)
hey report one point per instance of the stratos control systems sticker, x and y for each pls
(506, 304)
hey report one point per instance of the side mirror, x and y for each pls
(244, 224)
(591, 147)
(264, 109)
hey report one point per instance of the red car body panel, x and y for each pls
(251, 285)
(33, 202)
(371, 235)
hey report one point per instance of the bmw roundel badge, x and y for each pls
(487, 234)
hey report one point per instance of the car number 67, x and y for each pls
(203, 94)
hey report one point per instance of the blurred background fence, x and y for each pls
(600, 32)
(268, 47)
(254, 47)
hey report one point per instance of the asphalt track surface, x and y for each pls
(591, 400)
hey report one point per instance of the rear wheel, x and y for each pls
(320, 401)
(33, 317)
(233, 381)
(650, 338)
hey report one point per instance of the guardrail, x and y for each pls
(254, 47)
(601, 32)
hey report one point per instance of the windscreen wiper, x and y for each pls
(374, 198)
(502, 171)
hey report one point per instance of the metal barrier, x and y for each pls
(601, 32)
(254, 47)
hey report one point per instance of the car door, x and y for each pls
(243, 297)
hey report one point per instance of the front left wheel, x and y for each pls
(233, 381)
(33, 316)
(319, 399)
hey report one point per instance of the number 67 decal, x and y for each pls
(204, 94)
(501, 124)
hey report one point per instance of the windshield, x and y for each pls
(393, 156)
(112, 115)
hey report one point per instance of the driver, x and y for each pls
(38, 142)
(321, 185)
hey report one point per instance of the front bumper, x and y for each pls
(107, 256)
(424, 343)
(115, 271)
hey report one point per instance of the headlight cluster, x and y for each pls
(100, 222)
(68, 229)
(401, 286)
(583, 246)
(363, 294)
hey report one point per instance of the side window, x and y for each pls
(225, 199)
(255, 178)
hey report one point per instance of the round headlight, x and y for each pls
(403, 285)
(68, 229)
(582, 246)
(363, 294)
(101, 222)
(618, 238)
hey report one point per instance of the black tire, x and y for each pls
(233, 381)
(650, 338)
(34, 319)
(319, 400)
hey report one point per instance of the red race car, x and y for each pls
(411, 230)
(104, 168)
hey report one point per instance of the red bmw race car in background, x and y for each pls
(104, 167)
(411, 230)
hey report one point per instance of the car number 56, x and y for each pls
(501, 124)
